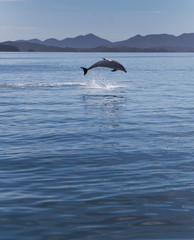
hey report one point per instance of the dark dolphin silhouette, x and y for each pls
(114, 65)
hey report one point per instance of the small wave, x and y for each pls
(178, 134)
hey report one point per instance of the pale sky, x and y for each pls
(113, 20)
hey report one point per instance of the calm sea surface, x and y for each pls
(102, 156)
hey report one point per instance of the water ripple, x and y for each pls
(102, 156)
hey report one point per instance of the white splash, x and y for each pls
(102, 83)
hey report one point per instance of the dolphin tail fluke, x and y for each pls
(85, 70)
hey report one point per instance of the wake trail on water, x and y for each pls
(92, 83)
(39, 85)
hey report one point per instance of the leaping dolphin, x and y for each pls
(114, 65)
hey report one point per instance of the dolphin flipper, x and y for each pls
(114, 70)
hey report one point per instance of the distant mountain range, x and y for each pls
(93, 43)
(7, 48)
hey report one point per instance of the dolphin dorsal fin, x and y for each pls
(106, 59)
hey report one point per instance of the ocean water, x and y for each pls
(102, 156)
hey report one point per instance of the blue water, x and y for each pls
(102, 156)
